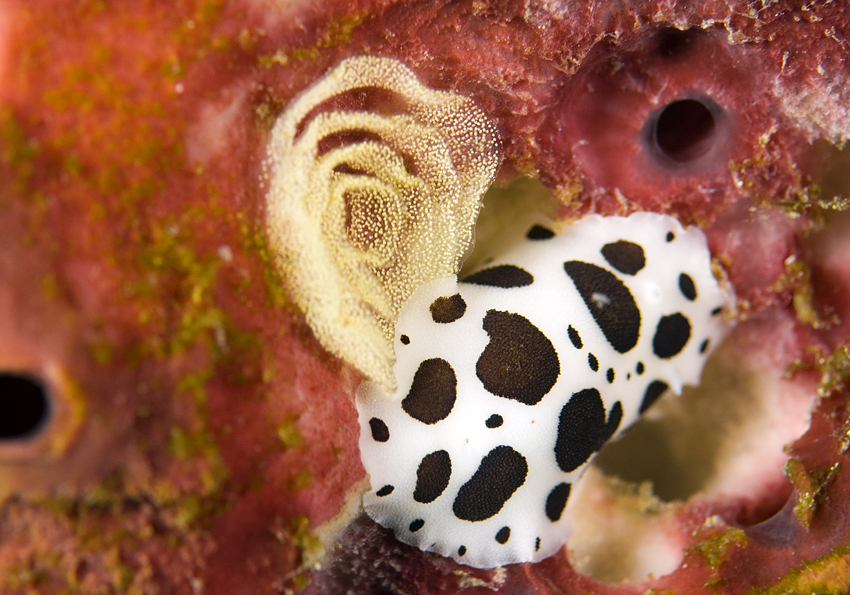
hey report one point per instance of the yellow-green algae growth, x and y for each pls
(809, 486)
(715, 551)
(337, 34)
(797, 281)
(827, 575)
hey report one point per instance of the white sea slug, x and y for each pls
(511, 379)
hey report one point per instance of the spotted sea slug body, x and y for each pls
(511, 379)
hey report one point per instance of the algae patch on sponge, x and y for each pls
(374, 185)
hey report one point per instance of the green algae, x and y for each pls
(288, 433)
(797, 280)
(337, 34)
(17, 152)
(310, 549)
(808, 199)
(834, 369)
(809, 486)
(715, 551)
(827, 575)
(254, 241)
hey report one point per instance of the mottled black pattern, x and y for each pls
(432, 393)
(385, 491)
(405, 340)
(501, 472)
(416, 525)
(703, 346)
(432, 476)
(506, 276)
(494, 421)
(556, 501)
(670, 236)
(380, 431)
(687, 287)
(503, 535)
(447, 309)
(655, 389)
(671, 335)
(519, 362)
(575, 338)
(609, 301)
(626, 257)
(609, 375)
(592, 362)
(583, 429)
(538, 232)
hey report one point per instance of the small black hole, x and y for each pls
(685, 130)
(24, 407)
(675, 42)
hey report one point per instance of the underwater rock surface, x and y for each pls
(172, 422)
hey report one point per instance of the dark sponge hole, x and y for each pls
(673, 43)
(685, 130)
(24, 406)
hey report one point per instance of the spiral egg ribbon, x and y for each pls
(363, 207)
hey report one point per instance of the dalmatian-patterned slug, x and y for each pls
(511, 379)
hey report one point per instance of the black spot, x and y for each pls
(671, 335)
(716, 311)
(671, 236)
(24, 404)
(582, 428)
(592, 362)
(639, 368)
(687, 287)
(626, 257)
(498, 476)
(685, 130)
(655, 389)
(433, 392)
(503, 535)
(385, 491)
(461, 551)
(609, 301)
(505, 275)
(538, 232)
(432, 476)
(557, 501)
(610, 375)
(405, 340)
(537, 545)
(494, 421)
(447, 309)
(380, 431)
(703, 346)
(574, 337)
(416, 525)
(519, 362)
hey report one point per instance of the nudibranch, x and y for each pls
(510, 379)
(375, 184)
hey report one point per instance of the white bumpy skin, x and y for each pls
(512, 379)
